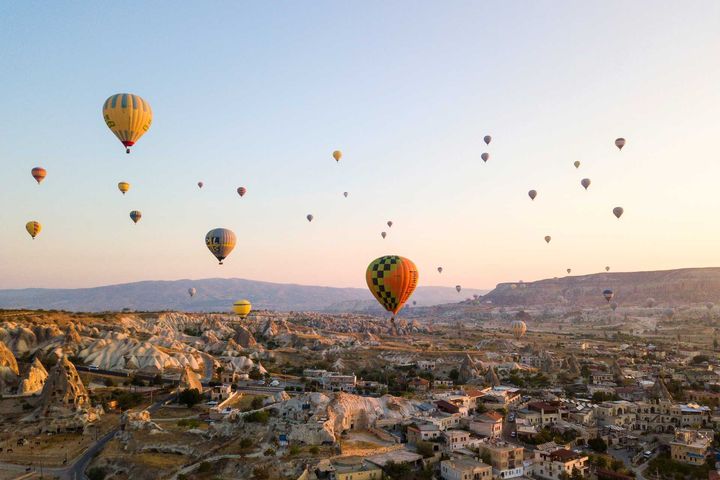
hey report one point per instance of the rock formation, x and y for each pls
(244, 338)
(189, 380)
(34, 379)
(8, 369)
(63, 391)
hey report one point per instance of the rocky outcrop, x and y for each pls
(8, 369)
(63, 391)
(34, 379)
(468, 370)
(133, 421)
(244, 338)
(190, 380)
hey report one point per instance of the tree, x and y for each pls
(109, 382)
(294, 450)
(314, 450)
(245, 443)
(576, 474)
(598, 444)
(398, 471)
(486, 457)
(96, 473)
(425, 449)
(256, 403)
(454, 375)
(255, 374)
(190, 397)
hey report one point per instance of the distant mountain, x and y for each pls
(213, 294)
(666, 287)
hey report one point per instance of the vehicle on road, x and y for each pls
(93, 367)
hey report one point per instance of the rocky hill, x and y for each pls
(215, 294)
(666, 287)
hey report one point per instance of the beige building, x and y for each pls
(691, 446)
(465, 469)
(505, 458)
(488, 424)
(553, 465)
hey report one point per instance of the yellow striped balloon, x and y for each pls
(242, 308)
(128, 116)
(220, 242)
(33, 228)
(123, 187)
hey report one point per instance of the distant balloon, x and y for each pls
(392, 280)
(650, 302)
(135, 216)
(39, 174)
(383, 234)
(345, 194)
(128, 116)
(569, 270)
(669, 313)
(241, 191)
(618, 211)
(487, 139)
(192, 292)
(709, 305)
(458, 288)
(414, 302)
(585, 182)
(577, 164)
(309, 217)
(337, 155)
(608, 294)
(613, 306)
(220, 242)
(33, 228)
(532, 194)
(485, 156)
(123, 187)
(548, 238)
(439, 269)
(242, 308)
(389, 223)
(200, 184)
(619, 143)
(518, 328)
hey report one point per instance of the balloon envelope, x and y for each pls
(135, 216)
(383, 234)
(123, 187)
(485, 156)
(337, 155)
(532, 194)
(242, 308)
(220, 242)
(618, 211)
(39, 174)
(200, 184)
(128, 116)
(487, 139)
(392, 280)
(440, 269)
(620, 143)
(585, 182)
(192, 292)
(345, 194)
(389, 223)
(518, 328)
(548, 238)
(608, 294)
(569, 270)
(309, 218)
(458, 288)
(577, 164)
(607, 269)
(241, 191)
(33, 228)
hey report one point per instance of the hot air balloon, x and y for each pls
(613, 306)
(619, 143)
(383, 234)
(242, 308)
(487, 139)
(577, 164)
(607, 268)
(192, 292)
(414, 302)
(337, 155)
(200, 184)
(618, 211)
(709, 305)
(532, 194)
(33, 228)
(439, 269)
(39, 174)
(650, 302)
(135, 216)
(669, 313)
(485, 156)
(123, 187)
(392, 280)
(241, 191)
(389, 223)
(458, 288)
(548, 238)
(569, 270)
(585, 182)
(220, 242)
(309, 217)
(518, 328)
(608, 294)
(345, 194)
(128, 116)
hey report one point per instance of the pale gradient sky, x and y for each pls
(260, 93)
